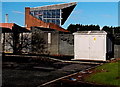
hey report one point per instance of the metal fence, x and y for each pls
(116, 51)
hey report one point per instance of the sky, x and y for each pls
(86, 13)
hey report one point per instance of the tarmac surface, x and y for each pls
(36, 72)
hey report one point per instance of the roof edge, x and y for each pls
(62, 4)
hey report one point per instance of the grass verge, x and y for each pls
(107, 74)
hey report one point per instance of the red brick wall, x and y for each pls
(32, 21)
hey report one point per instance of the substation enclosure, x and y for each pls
(90, 45)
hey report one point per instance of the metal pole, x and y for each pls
(6, 18)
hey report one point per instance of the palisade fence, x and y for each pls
(116, 51)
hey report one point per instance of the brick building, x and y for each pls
(47, 20)
(11, 37)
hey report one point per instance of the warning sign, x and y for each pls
(94, 38)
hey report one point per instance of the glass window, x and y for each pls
(48, 14)
(44, 20)
(53, 20)
(58, 22)
(47, 20)
(45, 15)
(53, 15)
(44, 12)
(40, 12)
(32, 13)
(58, 15)
(53, 11)
(36, 12)
(58, 11)
(40, 17)
(50, 21)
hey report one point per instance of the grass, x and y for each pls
(107, 74)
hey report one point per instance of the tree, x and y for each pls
(38, 43)
(79, 27)
(114, 32)
(25, 42)
(72, 28)
(108, 29)
(18, 42)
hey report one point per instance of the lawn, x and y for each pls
(107, 74)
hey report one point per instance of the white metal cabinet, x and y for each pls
(90, 46)
(81, 48)
(97, 47)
